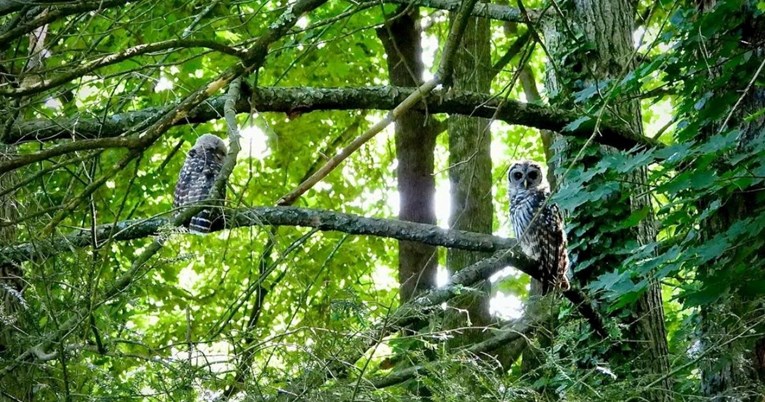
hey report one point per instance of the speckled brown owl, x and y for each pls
(538, 224)
(203, 163)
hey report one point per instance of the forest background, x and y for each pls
(342, 116)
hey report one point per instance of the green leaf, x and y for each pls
(229, 36)
(706, 296)
(712, 249)
(580, 123)
(634, 219)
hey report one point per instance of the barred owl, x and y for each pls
(203, 163)
(538, 224)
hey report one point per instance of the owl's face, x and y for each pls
(526, 175)
(211, 145)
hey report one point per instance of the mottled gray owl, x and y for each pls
(538, 224)
(203, 163)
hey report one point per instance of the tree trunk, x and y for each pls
(733, 367)
(470, 162)
(11, 288)
(604, 50)
(415, 142)
(415, 136)
(533, 360)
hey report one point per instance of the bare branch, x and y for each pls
(115, 58)
(63, 149)
(266, 216)
(459, 23)
(344, 153)
(305, 99)
(483, 10)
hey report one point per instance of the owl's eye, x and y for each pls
(517, 175)
(533, 175)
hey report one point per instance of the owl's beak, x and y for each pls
(526, 184)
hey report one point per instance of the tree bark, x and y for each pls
(470, 163)
(734, 369)
(535, 304)
(415, 141)
(11, 291)
(606, 52)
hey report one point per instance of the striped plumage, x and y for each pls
(538, 224)
(195, 181)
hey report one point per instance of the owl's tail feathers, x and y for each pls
(547, 286)
(205, 222)
(562, 281)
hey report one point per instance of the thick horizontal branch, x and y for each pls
(483, 10)
(305, 99)
(268, 216)
(326, 221)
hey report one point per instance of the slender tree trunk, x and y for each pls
(533, 359)
(415, 136)
(415, 143)
(600, 32)
(470, 162)
(733, 368)
(11, 275)
(11, 291)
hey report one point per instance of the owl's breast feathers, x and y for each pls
(523, 207)
(538, 225)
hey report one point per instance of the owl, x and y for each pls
(203, 163)
(538, 224)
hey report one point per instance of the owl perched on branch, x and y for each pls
(195, 182)
(538, 224)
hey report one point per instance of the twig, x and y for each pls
(443, 76)
(509, 333)
(331, 164)
(114, 58)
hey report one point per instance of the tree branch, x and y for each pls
(508, 333)
(304, 100)
(443, 77)
(265, 216)
(459, 23)
(90, 66)
(483, 10)
(408, 103)
(325, 221)
(406, 315)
